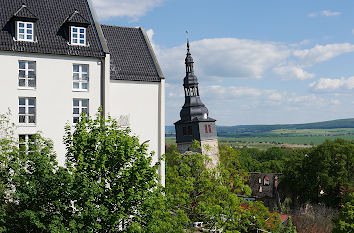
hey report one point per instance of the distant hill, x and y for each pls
(265, 130)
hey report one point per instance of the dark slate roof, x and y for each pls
(76, 17)
(24, 12)
(132, 57)
(51, 32)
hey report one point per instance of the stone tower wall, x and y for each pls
(209, 148)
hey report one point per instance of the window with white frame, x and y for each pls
(27, 110)
(80, 106)
(78, 35)
(27, 74)
(25, 31)
(80, 77)
(26, 143)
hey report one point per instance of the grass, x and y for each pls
(313, 132)
(300, 140)
(281, 140)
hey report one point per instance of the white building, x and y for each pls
(57, 61)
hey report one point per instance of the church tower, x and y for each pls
(195, 123)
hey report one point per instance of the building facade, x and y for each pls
(264, 187)
(195, 123)
(57, 61)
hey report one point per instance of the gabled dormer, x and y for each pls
(24, 24)
(77, 25)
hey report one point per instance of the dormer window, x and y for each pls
(25, 31)
(23, 21)
(78, 36)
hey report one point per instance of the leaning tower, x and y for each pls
(195, 123)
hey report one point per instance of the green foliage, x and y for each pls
(273, 160)
(109, 184)
(289, 228)
(114, 180)
(229, 161)
(37, 190)
(200, 194)
(345, 221)
(328, 167)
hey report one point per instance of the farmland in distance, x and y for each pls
(286, 135)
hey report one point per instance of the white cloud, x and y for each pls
(321, 53)
(326, 13)
(335, 102)
(220, 58)
(232, 91)
(224, 58)
(330, 13)
(292, 72)
(333, 85)
(133, 9)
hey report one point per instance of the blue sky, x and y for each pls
(258, 62)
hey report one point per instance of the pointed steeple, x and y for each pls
(190, 78)
(193, 108)
(195, 123)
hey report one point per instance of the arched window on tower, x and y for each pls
(191, 91)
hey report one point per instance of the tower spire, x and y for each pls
(195, 123)
(187, 42)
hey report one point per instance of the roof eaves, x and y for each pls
(151, 50)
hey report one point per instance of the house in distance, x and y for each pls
(58, 61)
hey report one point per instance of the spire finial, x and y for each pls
(187, 41)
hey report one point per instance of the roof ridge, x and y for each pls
(116, 26)
(24, 7)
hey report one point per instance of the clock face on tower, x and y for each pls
(205, 116)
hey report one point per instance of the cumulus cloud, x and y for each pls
(220, 58)
(133, 9)
(232, 91)
(232, 105)
(321, 53)
(333, 85)
(292, 72)
(326, 13)
(224, 58)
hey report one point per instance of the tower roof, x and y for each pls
(190, 78)
(193, 108)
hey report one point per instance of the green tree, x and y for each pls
(322, 175)
(7, 145)
(114, 181)
(109, 184)
(289, 228)
(229, 161)
(205, 195)
(345, 221)
(36, 190)
(327, 171)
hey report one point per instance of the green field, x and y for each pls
(312, 132)
(288, 135)
(267, 142)
(300, 140)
